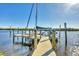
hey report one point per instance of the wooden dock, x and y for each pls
(44, 48)
(27, 36)
(42, 45)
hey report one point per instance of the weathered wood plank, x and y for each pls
(44, 48)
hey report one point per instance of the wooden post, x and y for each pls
(29, 33)
(10, 31)
(35, 40)
(40, 34)
(25, 34)
(25, 31)
(54, 39)
(65, 25)
(32, 31)
(49, 33)
(18, 33)
(59, 34)
(22, 36)
(13, 37)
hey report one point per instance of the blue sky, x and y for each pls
(49, 15)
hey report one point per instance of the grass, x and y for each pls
(1, 53)
(16, 29)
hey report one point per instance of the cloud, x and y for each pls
(71, 8)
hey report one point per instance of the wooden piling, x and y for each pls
(25, 34)
(29, 33)
(40, 34)
(49, 33)
(25, 31)
(35, 40)
(10, 31)
(59, 34)
(22, 36)
(18, 33)
(65, 25)
(13, 37)
(54, 39)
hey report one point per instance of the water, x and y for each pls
(73, 44)
(10, 49)
(7, 47)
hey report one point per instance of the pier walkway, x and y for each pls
(42, 45)
(44, 48)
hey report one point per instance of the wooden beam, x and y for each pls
(65, 25)
(35, 40)
(59, 35)
(40, 34)
(13, 37)
(22, 36)
(54, 40)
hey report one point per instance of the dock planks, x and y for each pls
(44, 48)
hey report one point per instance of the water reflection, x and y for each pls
(9, 49)
(72, 45)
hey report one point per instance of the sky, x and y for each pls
(49, 15)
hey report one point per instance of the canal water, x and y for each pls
(72, 45)
(10, 49)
